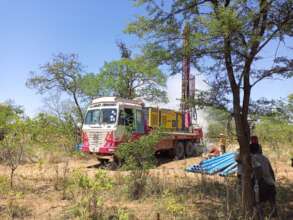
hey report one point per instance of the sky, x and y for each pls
(31, 31)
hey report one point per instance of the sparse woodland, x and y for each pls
(44, 176)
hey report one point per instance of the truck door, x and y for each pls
(133, 119)
(139, 121)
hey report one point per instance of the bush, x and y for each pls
(87, 193)
(139, 154)
(171, 204)
(52, 134)
(14, 148)
(136, 184)
(275, 131)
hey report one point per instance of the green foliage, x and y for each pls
(14, 148)
(220, 121)
(275, 128)
(62, 74)
(51, 133)
(172, 205)
(122, 215)
(274, 131)
(8, 113)
(131, 78)
(139, 154)
(88, 194)
(99, 183)
(224, 22)
(90, 85)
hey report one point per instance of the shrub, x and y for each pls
(171, 204)
(139, 154)
(15, 146)
(136, 184)
(88, 194)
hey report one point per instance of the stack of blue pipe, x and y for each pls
(224, 165)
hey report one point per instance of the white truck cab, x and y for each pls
(106, 121)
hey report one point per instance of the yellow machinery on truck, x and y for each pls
(165, 118)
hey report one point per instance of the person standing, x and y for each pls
(263, 182)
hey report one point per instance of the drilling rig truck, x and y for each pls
(109, 118)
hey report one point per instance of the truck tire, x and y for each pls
(179, 151)
(190, 149)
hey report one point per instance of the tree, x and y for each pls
(275, 126)
(50, 133)
(220, 122)
(90, 85)
(8, 113)
(133, 77)
(226, 41)
(62, 74)
(14, 146)
(66, 114)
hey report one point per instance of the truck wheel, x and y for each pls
(190, 149)
(179, 151)
(116, 163)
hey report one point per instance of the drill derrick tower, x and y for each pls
(188, 82)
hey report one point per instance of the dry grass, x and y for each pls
(43, 191)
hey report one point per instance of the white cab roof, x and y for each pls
(116, 100)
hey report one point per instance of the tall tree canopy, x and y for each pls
(62, 74)
(133, 77)
(8, 113)
(226, 41)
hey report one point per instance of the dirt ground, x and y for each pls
(44, 202)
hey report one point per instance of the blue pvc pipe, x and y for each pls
(232, 166)
(224, 160)
(230, 172)
(216, 158)
(210, 165)
(220, 167)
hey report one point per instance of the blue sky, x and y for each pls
(32, 30)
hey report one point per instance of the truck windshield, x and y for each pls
(101, 116)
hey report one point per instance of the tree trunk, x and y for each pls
(242, 129)
(78, 108)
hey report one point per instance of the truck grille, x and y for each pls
(96, 140)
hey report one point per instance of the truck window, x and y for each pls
(101, 116)
(126, 117)
(109, 115)
(139, 121)
(92, 117)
